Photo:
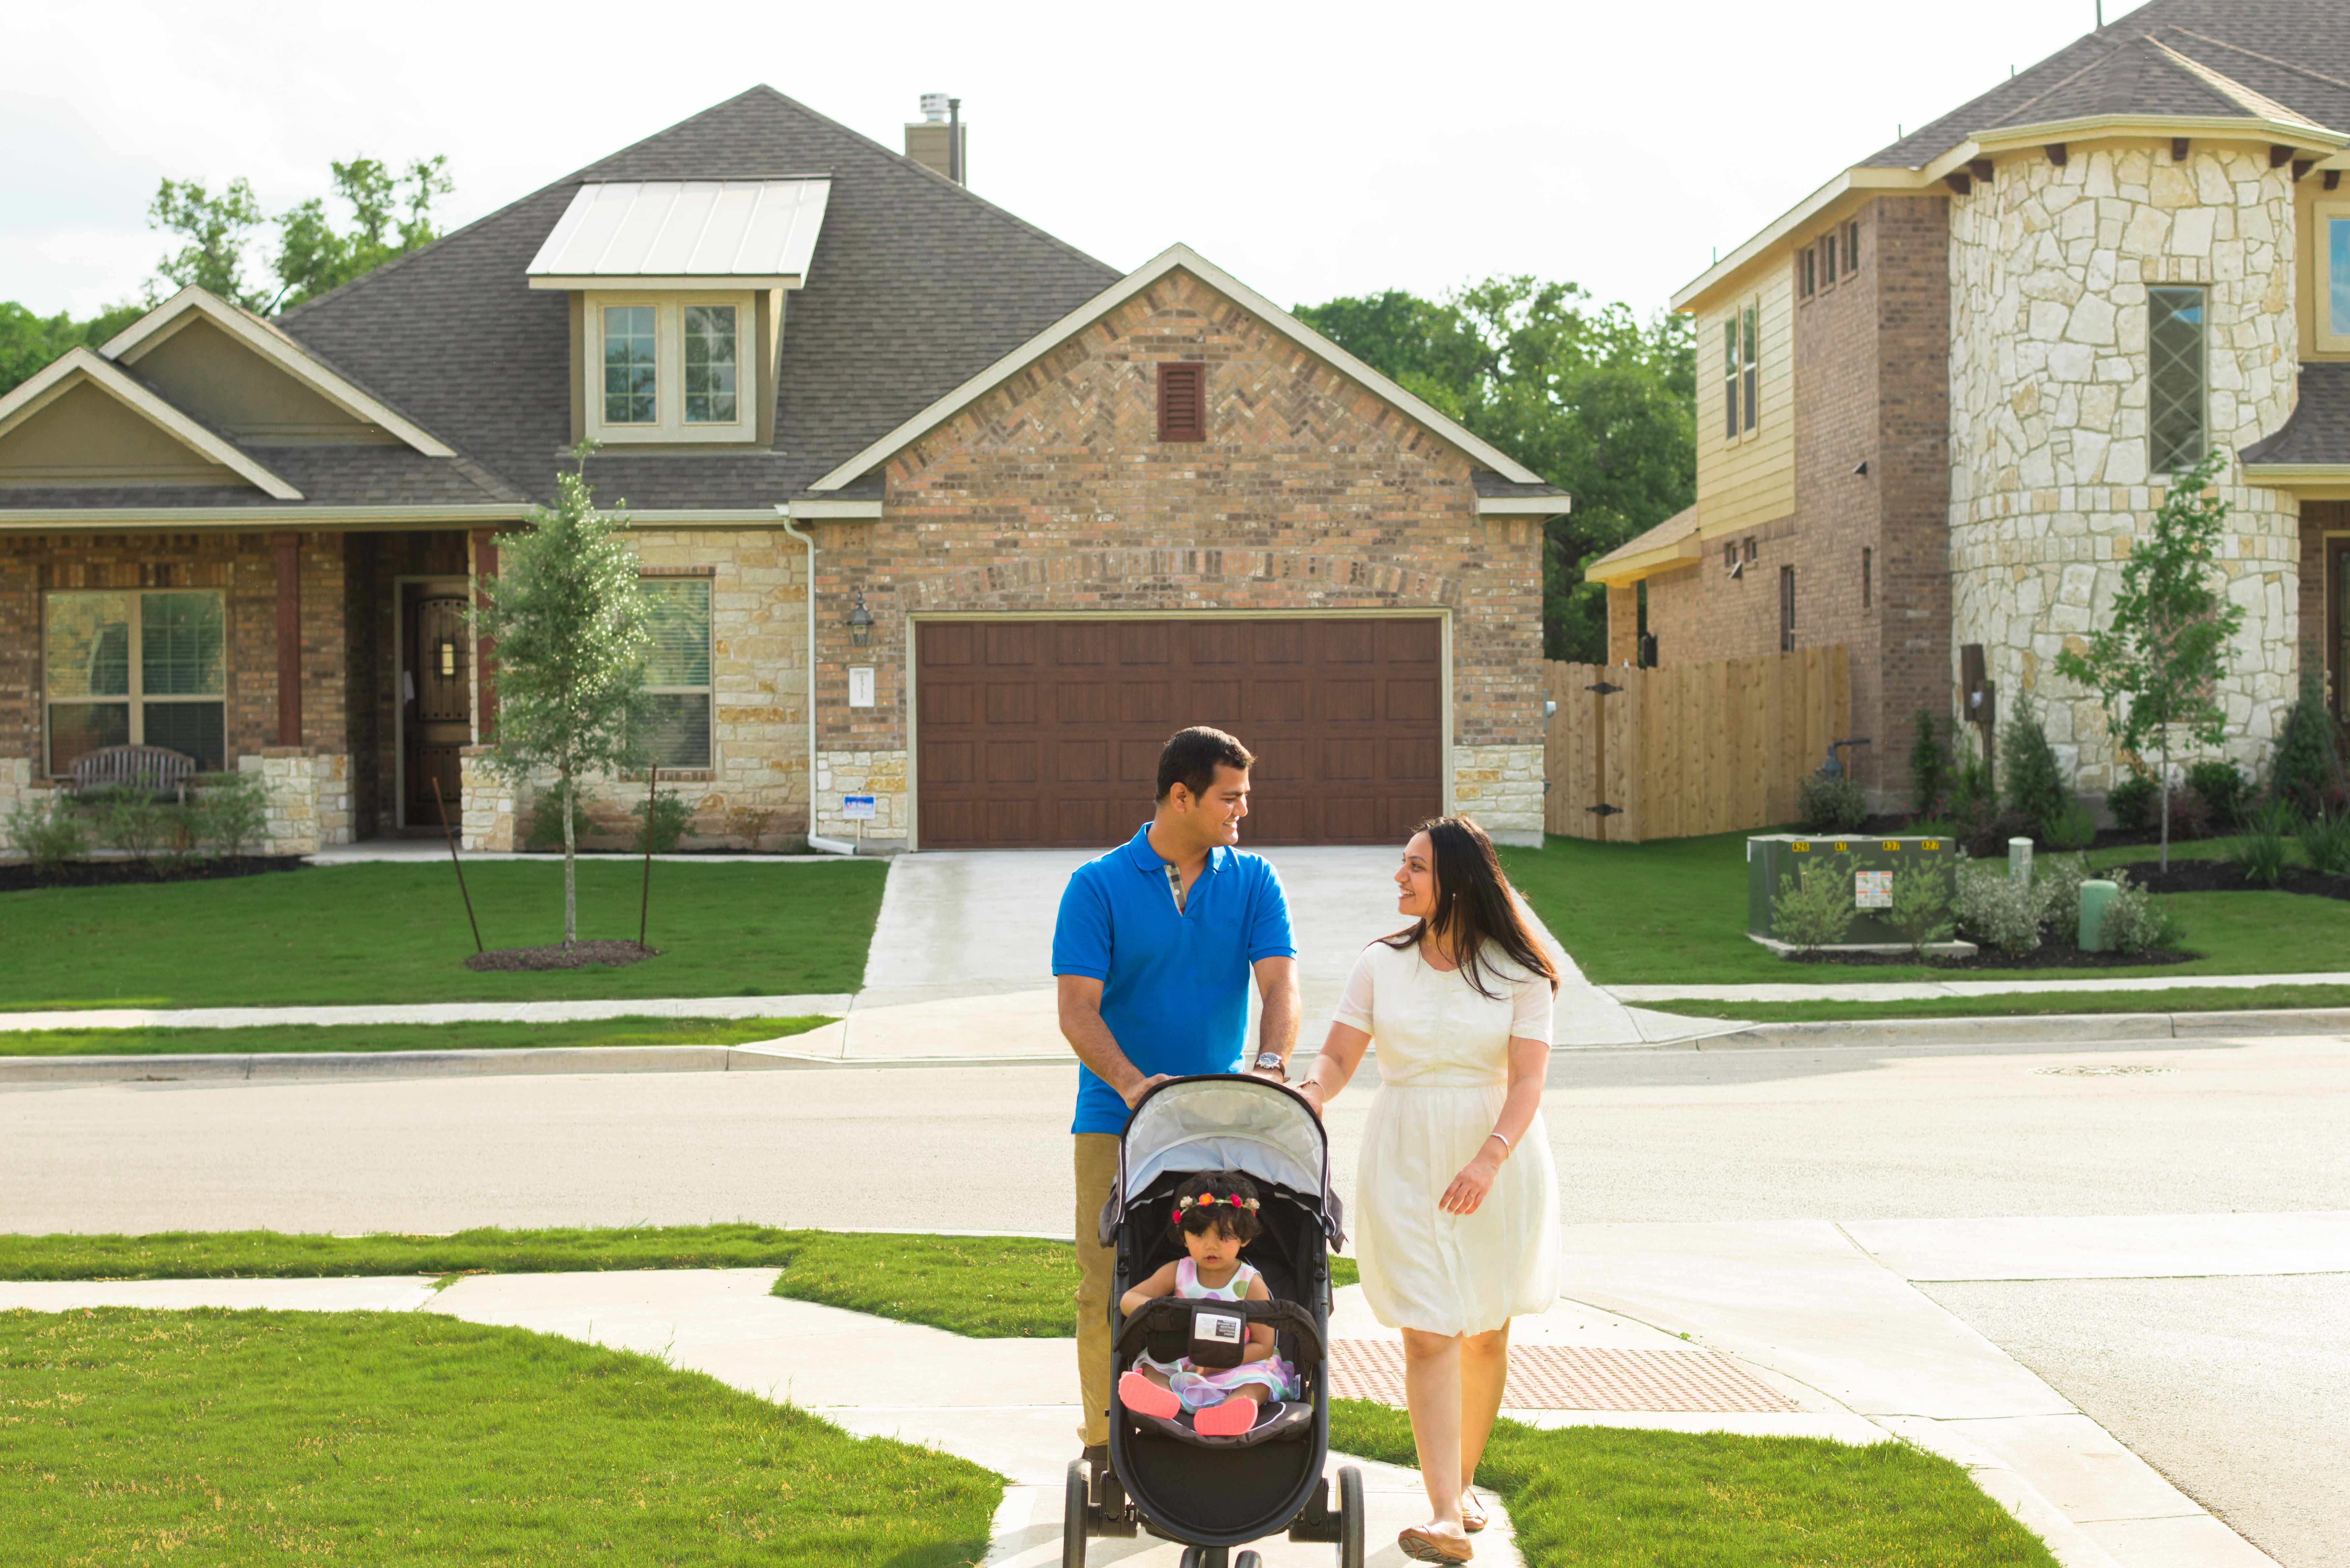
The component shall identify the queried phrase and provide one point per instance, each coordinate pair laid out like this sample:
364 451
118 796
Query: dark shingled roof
2319 430
916 286
2294 52
325 475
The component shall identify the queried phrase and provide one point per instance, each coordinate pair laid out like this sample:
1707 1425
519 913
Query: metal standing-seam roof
718 229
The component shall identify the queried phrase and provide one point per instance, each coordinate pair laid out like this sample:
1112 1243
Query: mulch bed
2049 954
24 876
2227 876
579 955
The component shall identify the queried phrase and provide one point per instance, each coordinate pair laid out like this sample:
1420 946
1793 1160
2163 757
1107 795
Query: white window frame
136 697
670 424
1741 378
2323 217
709 688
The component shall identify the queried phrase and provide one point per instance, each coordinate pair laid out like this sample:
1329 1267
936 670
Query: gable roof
2213 59
79 365
131 344
2268 71
914 283
1174 257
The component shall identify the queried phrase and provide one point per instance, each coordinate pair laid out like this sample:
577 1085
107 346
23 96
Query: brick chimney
940 140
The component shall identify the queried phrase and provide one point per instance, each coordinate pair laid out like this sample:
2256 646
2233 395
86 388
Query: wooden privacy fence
1634 754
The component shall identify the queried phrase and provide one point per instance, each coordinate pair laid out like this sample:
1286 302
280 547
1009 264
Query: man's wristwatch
1270 1062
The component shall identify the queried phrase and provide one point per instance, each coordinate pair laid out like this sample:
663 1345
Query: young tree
572 624
2159 661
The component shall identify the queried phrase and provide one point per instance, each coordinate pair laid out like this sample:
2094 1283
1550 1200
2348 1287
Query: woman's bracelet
1506 1150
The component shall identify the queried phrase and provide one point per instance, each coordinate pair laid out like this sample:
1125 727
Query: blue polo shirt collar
1146 860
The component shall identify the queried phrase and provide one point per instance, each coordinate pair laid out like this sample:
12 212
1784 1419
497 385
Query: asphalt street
2230 1386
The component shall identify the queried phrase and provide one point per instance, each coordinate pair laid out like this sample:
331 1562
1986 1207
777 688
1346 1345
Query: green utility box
1772 855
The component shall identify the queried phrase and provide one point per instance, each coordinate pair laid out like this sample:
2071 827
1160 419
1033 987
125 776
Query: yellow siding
1749 480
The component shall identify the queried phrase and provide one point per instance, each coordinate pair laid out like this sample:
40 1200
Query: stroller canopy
1227 1123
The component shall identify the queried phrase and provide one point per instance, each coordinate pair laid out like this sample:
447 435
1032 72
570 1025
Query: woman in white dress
1455 1196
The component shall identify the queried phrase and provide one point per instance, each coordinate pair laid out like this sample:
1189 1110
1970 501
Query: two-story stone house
1940 396
950 523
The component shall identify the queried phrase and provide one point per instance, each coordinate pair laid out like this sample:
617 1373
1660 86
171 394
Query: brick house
1939 397
949 524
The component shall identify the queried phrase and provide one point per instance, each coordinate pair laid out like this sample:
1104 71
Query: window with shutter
1182 402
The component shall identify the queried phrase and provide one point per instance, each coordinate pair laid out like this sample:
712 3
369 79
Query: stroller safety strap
1172 1316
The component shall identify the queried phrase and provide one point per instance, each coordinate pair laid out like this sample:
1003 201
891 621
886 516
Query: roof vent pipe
954 139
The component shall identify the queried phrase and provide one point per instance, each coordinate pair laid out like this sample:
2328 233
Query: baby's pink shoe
1144 1397
1231 1418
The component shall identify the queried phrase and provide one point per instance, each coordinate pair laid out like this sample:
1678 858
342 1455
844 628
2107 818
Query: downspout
823 845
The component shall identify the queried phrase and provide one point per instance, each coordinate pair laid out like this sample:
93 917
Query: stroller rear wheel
1350 1517
1073 1516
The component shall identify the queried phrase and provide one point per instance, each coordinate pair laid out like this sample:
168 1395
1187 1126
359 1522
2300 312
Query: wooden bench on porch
155 768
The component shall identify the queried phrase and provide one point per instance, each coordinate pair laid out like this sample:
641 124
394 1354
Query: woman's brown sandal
1472 1513
1427 1546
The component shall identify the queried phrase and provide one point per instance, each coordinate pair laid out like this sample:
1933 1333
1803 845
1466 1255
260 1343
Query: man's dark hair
1191 757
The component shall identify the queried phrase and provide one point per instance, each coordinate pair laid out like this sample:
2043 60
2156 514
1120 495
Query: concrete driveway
962 963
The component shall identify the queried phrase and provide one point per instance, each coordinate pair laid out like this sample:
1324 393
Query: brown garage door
1046 733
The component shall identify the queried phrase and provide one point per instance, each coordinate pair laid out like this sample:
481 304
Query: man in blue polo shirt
1154 951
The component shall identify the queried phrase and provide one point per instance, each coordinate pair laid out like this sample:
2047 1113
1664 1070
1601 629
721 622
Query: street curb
316 1067
2049 1028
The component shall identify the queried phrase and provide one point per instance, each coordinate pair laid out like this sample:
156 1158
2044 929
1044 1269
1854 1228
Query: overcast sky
1311 150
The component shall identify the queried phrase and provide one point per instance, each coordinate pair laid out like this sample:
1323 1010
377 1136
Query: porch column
289 638
486 666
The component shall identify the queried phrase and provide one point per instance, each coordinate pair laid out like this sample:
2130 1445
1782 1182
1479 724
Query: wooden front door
1046 733
436 689
2338 637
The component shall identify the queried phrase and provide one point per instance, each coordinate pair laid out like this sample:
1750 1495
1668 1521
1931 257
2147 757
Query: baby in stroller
1216 1214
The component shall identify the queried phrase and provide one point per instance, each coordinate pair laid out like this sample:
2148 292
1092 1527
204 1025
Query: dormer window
669 368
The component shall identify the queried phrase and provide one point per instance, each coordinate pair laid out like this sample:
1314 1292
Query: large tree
28 342
1593 398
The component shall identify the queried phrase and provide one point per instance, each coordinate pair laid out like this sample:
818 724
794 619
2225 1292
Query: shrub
2261 849
1929 767
132 820
1997 909
546 815
2325 843
2190 816
2062 876
2132 803
47 832
2306 768
663 818
2035 785
1983 829
2074 827
1921 903
2224 789
750 825
1814 908
232 811
1971 787
1831 803
2138 921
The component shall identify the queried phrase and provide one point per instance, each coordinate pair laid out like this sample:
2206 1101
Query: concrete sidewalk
1936 989
1825 1316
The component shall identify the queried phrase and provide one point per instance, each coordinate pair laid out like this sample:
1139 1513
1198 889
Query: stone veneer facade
2049 271
1053 494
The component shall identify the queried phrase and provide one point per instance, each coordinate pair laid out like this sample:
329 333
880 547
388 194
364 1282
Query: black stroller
1216 1493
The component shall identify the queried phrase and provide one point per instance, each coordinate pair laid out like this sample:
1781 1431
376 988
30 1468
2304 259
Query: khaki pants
1096 1167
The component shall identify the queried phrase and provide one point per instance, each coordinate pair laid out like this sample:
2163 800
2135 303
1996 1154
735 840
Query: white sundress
1200 1387
1444 1054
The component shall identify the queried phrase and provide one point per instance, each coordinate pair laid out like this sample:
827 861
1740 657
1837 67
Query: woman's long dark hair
1473 906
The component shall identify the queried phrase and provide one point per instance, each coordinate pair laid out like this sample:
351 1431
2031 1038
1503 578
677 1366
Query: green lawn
1673 912
219 1437
1593 1495
279 1038
397 932
2023 1004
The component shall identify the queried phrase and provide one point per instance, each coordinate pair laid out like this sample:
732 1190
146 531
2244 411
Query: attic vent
1182 402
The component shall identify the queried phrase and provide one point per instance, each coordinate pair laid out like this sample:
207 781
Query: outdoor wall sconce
448 651
860 621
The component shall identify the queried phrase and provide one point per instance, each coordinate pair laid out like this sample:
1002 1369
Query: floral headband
1209 1200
